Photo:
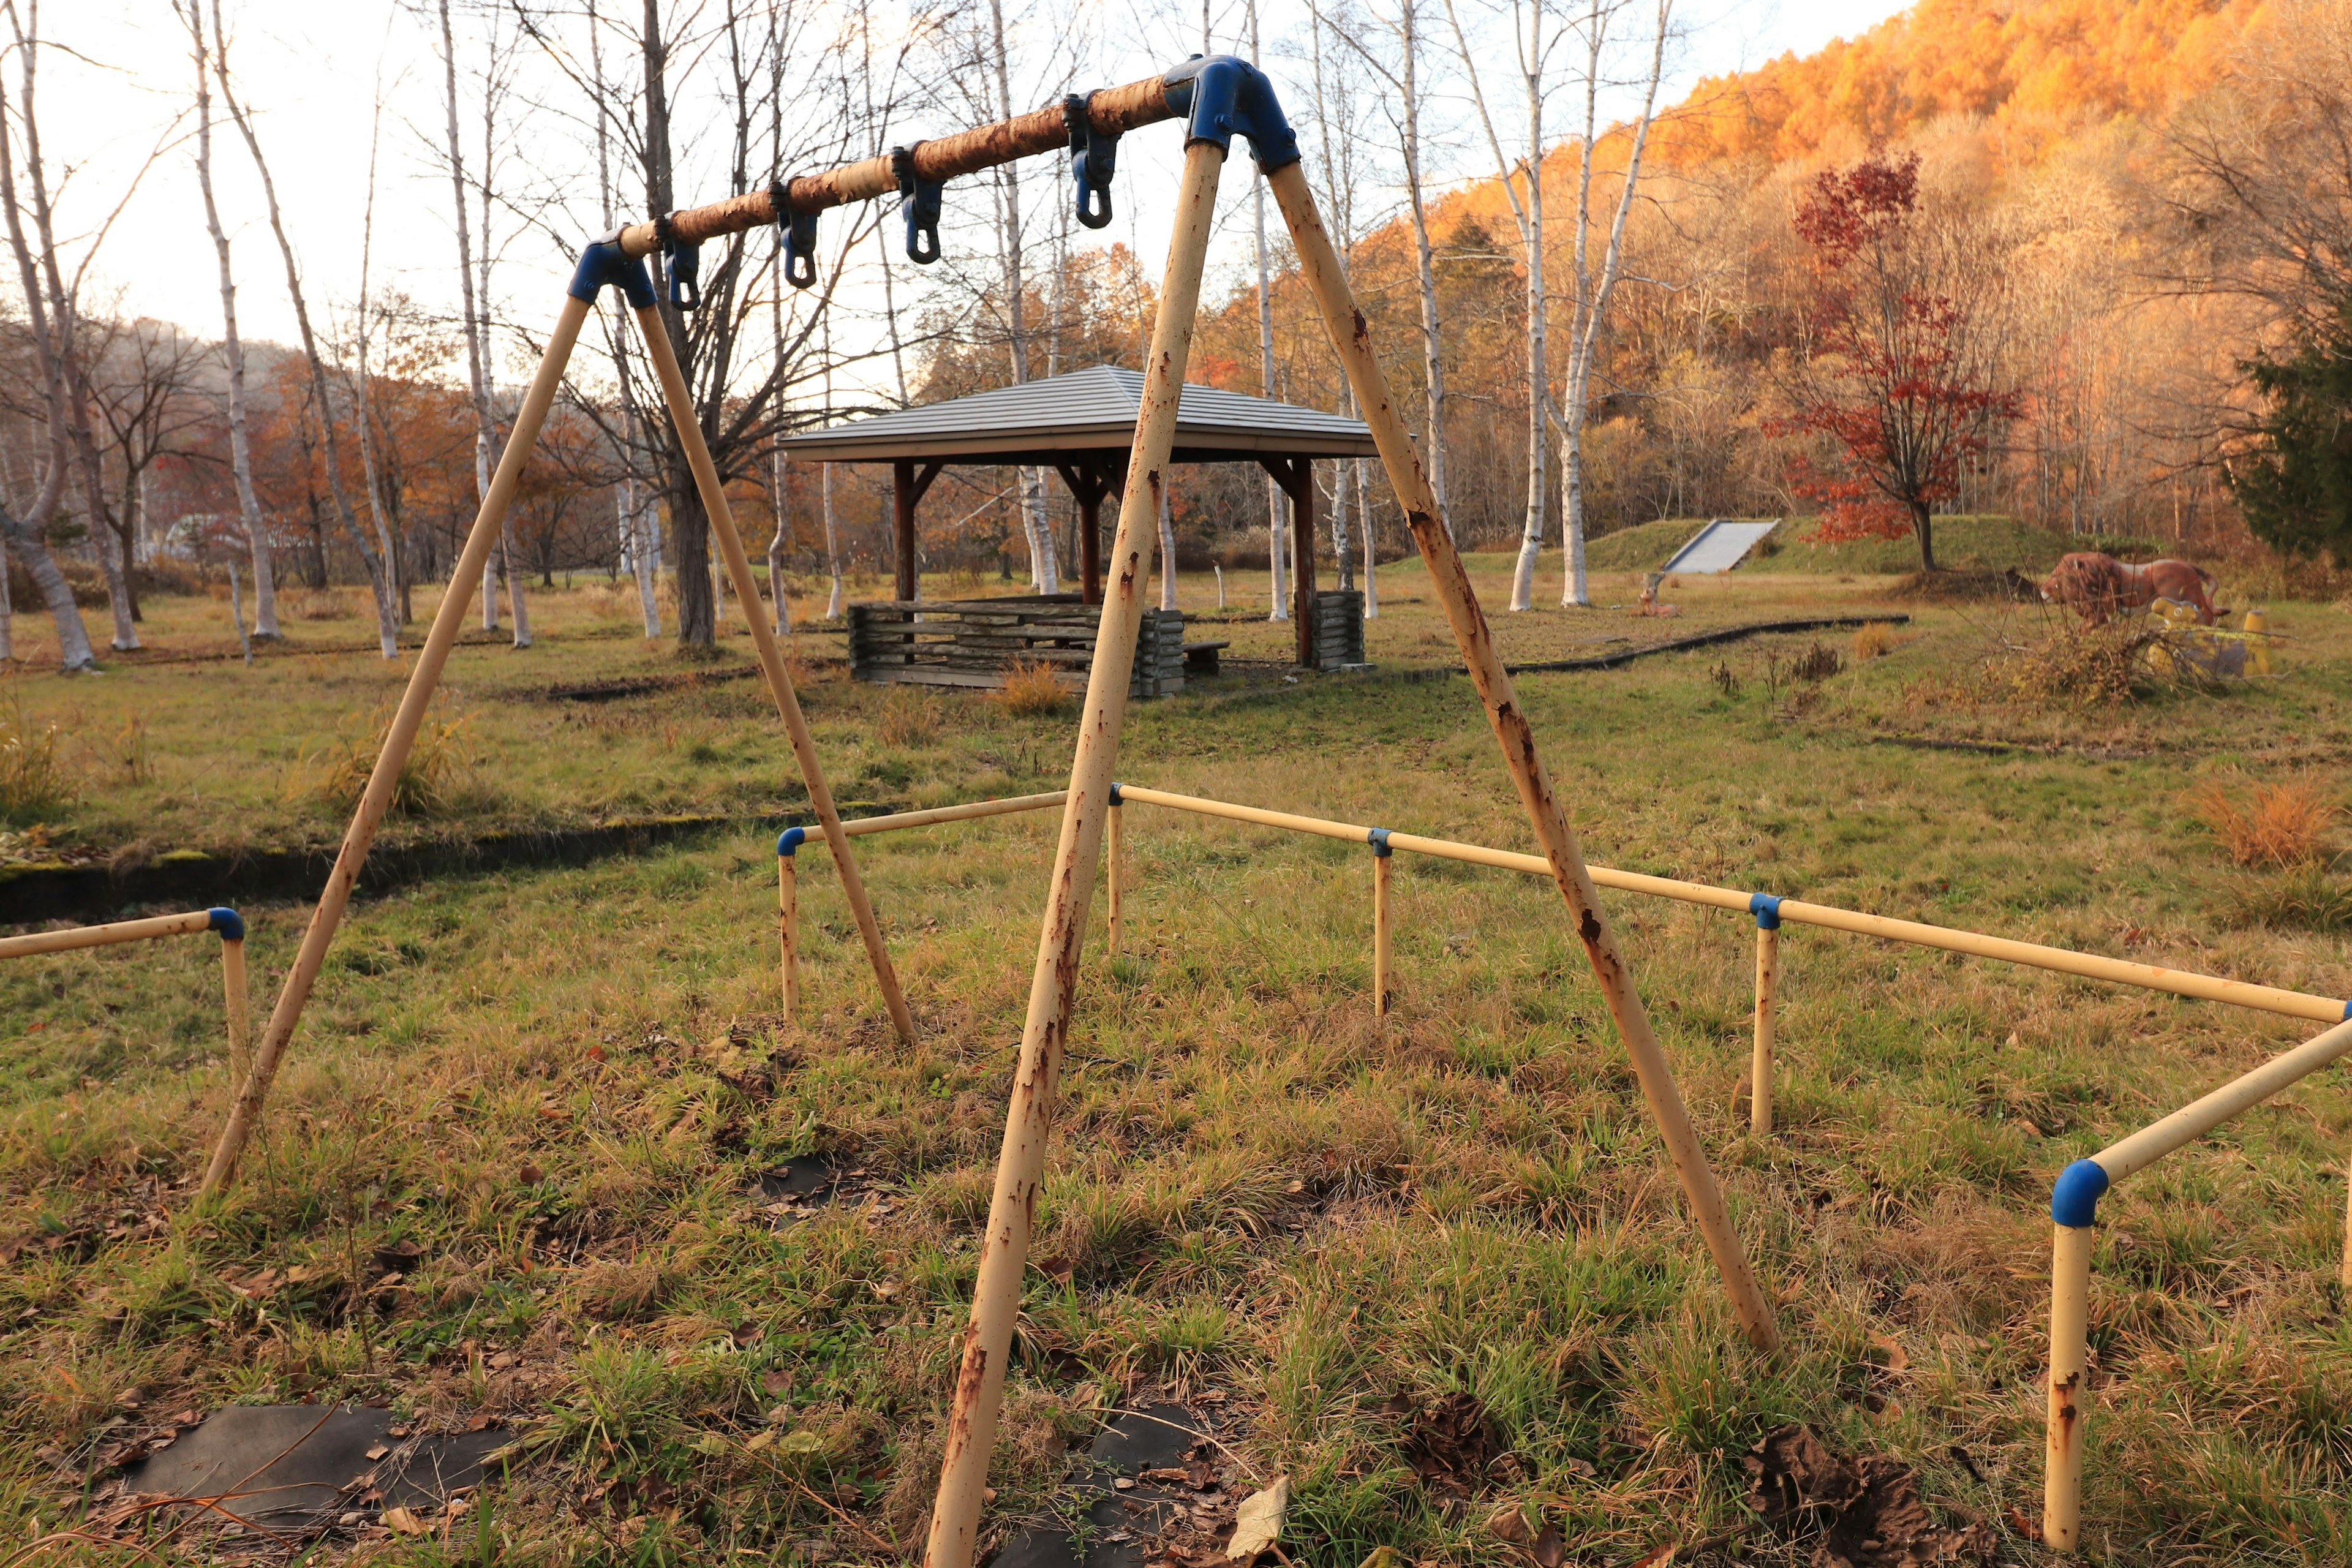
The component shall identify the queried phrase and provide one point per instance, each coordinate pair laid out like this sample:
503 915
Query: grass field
560 1083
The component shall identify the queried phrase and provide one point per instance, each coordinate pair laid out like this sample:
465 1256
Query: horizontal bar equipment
2074 1215
2147 977
223 920
935 814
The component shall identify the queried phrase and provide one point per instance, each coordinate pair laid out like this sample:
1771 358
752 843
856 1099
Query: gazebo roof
1085 415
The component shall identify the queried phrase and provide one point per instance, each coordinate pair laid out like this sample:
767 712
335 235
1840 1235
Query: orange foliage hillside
2035 69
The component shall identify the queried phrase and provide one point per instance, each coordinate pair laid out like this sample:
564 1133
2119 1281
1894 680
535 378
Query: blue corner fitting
789 841
1221 96
2074 1198
2348 1012
604 263
1378 837
229 922
1114 793
1766 911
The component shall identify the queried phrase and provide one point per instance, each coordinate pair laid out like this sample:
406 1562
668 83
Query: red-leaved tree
1899 376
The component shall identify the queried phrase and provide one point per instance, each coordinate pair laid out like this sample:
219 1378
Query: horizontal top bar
2122 971
1111 112
2193 1121
104 935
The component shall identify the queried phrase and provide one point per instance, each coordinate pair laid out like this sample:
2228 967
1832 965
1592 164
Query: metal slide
1719 546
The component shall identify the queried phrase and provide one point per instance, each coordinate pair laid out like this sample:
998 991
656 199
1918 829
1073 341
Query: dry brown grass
2283 824
910 716
1876 640
318 604
438 763
1030 690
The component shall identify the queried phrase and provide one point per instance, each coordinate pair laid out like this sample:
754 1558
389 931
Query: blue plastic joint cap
1220 96
789 841
2348 1012
1115 800
1378 839
229 922
604 263
1766 911
2074 1198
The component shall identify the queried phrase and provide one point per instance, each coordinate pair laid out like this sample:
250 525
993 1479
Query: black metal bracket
682 264
920 199
797 230
1094 156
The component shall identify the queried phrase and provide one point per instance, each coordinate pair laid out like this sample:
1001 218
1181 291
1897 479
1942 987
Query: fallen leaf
1550 1549
399 1256
1891 1349
1660 1558
2026 1529
760 1440
1507 1524
530 1175
746 1336
1257 1523
404 1523
477 1424
377 1451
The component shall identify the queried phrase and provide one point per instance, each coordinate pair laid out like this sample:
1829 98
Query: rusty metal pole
1320 267
788 924
771 658
376 799
1005 1249
1760 1067
2070 1322
1382 860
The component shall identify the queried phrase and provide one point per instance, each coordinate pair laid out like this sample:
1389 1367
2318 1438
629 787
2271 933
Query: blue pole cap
229 922
604 262
1766 911
789 841
1115 800
2075 1197
1378 837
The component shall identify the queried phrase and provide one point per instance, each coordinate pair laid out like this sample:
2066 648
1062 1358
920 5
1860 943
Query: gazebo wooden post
906 490
902 519
1296 478
1089 483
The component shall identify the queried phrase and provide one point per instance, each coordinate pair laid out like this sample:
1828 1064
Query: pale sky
311 72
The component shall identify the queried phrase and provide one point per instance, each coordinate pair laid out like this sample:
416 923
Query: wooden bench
1201 657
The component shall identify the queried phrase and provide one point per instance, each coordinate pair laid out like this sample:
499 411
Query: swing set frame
1217 98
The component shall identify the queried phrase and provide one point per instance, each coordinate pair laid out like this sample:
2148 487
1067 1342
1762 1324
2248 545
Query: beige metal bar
2070 1316
377 797
1760 1067
771 658
2121 972
788 933
2069 1270
239 1003
1004 1246
1319 265
1113 848
939 814
2193 1121
80 937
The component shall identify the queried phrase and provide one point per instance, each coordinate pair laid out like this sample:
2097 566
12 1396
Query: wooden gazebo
1081 425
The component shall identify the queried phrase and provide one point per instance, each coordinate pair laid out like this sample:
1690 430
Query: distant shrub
2280 825
32 776
1818 662
438 763
1030 690
1876 640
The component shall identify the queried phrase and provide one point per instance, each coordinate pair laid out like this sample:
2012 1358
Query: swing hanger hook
797 230
1094 156
681 264
920 200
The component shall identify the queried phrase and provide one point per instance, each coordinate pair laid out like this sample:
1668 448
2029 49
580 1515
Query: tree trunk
73 641
1925 527
1372 545
689 526
1572 506
240 442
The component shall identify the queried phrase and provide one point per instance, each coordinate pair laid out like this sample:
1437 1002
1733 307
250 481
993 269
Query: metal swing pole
1320 264
772 657
377 798
1004 1247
